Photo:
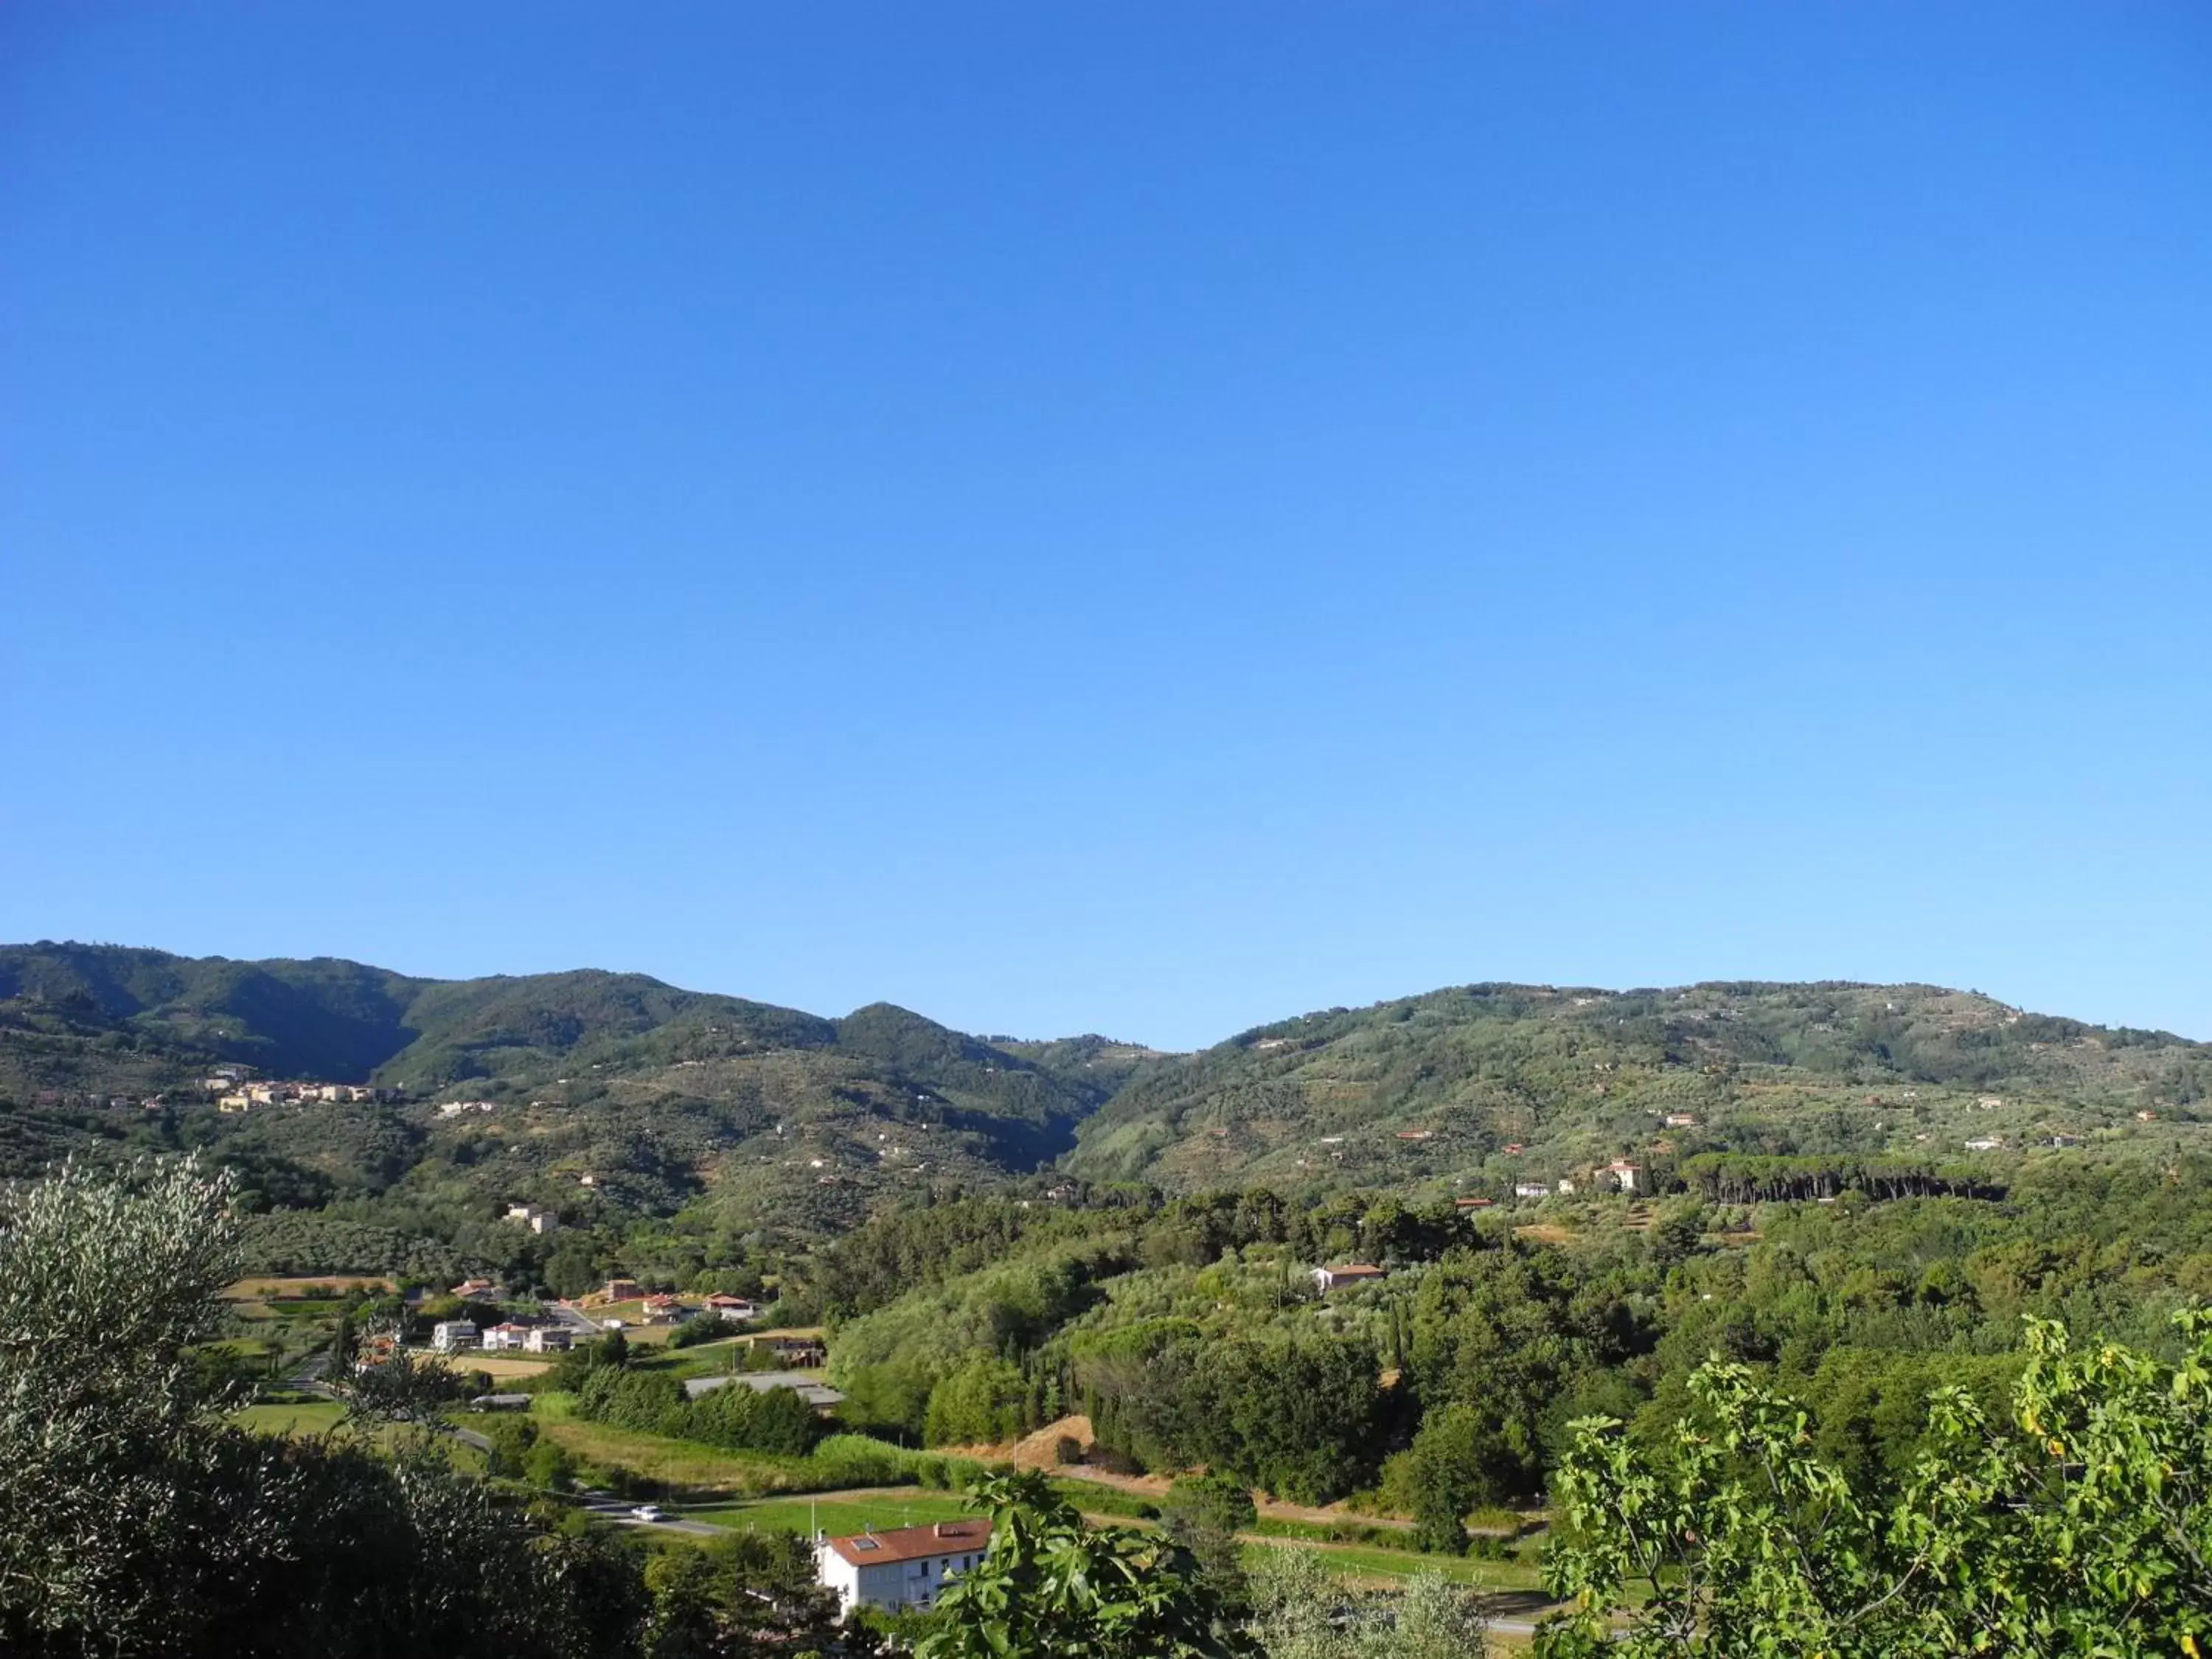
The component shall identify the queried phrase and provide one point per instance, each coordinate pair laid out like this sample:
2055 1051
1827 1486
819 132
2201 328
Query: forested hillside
1480 1087
603 1096
664 1127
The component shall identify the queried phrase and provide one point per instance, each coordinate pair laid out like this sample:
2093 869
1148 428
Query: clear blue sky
1141 518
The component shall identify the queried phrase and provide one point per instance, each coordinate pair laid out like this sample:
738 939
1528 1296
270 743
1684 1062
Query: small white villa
906 1567
1327 1279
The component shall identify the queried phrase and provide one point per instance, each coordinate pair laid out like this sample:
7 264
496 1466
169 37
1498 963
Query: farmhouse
730 1307
1622 1175
452 1335
1327 1279
1531 1189
905 1567
470 1289
1471 1203
548 1339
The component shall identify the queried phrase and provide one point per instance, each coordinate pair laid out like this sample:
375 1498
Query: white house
1327 1279
1624 1176
452 1335
906 1567
508 1335
530 1216
548 1339
1531 1189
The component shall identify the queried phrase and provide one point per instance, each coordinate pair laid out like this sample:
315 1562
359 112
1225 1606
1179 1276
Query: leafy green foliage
986 1399
1301 1415
1052 1587
2084 1527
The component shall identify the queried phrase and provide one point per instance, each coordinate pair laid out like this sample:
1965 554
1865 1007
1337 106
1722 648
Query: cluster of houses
232 1094
660 1308
457 1336
522 1335
227 1088
1621 1175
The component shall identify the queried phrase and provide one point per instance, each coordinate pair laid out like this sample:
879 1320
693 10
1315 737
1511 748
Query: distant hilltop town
229 1090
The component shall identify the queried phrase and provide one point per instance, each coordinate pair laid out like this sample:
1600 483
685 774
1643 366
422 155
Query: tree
1303 1611
1203 1514
403 1388
1453 1467
138 1522
2084 1527
1051 1588
980 1403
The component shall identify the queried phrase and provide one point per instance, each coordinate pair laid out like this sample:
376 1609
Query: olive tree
138 1522
1300 1610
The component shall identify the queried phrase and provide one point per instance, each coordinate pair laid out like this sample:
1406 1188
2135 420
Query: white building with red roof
905 1567
1327 1279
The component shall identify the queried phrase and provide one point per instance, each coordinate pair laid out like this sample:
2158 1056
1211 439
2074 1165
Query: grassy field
688 1471
635 1331
256 1289
308 1417
914 1506
498 1365
707 1471
1395 1566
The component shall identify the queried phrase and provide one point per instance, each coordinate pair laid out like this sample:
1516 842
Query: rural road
600 1507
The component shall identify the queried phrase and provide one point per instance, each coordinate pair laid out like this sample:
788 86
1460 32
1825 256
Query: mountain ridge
594 1092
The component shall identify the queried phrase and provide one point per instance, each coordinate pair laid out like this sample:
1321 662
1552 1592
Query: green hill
588 1092
611 1097
1436 1092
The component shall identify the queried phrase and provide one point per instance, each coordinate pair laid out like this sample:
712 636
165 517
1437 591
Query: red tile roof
913 1543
